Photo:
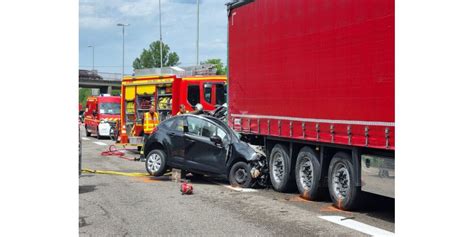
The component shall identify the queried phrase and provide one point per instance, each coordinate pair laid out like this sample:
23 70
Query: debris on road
186 188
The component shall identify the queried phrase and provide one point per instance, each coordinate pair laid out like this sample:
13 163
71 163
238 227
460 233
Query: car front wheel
156 162
97 133
240 175
88 134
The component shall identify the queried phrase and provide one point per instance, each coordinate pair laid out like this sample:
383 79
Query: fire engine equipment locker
130 93
146 90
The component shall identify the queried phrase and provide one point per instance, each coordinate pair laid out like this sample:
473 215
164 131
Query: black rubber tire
353 198
112 134
313 192
287 183
248 182
88 134
162 168
97 133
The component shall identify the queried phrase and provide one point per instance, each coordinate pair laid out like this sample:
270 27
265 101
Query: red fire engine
101 115
167 93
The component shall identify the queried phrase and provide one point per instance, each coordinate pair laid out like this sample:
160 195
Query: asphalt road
148 206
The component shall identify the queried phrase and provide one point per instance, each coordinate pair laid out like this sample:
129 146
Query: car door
201 153
175 141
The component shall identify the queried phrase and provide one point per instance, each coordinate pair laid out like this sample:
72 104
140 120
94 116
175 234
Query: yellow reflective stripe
149 123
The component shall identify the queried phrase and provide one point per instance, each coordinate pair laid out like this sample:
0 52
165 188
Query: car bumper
104 129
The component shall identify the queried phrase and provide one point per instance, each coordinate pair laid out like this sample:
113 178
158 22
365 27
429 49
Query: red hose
113 151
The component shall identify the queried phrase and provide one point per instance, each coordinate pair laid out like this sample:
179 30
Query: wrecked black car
203 144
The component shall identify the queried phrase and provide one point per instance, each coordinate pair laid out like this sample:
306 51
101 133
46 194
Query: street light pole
197 41
123 46
92 46
161 41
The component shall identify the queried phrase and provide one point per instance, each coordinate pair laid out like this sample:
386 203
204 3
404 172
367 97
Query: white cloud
86 9
91 22
138 8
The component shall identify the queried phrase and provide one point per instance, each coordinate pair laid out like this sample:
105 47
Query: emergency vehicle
166 93
101 115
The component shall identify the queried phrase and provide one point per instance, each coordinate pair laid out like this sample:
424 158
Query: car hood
247 151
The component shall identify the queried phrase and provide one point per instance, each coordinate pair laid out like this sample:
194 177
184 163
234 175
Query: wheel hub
306 173
341 181
278 167
154 162
240 175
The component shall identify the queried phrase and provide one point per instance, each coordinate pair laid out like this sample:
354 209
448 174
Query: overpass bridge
105 82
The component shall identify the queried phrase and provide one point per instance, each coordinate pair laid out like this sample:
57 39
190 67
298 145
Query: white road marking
100 143
355 225
238 189
85 138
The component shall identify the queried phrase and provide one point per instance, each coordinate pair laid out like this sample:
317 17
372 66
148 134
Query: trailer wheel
280 169
156 162
308 173
344 193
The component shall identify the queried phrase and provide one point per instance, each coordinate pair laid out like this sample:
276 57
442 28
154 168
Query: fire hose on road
114 172
113 151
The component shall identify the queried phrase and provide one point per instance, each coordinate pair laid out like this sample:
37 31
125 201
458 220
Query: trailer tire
280 169
155 162
342 175
239 175
308 174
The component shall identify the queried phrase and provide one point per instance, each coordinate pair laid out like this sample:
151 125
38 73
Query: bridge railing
96 75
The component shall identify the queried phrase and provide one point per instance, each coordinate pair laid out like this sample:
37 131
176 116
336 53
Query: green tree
116 92
219 65
150 57
83 94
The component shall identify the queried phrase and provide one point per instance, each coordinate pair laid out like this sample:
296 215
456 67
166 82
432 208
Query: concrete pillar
109 90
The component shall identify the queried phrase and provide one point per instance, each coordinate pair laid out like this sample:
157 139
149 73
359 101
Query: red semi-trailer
312 81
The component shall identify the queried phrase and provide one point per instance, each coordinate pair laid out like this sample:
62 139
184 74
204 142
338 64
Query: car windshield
109 108
229 129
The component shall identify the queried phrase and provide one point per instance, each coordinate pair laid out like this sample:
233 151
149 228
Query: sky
98 26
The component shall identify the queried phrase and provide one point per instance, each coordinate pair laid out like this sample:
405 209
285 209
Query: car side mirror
216 139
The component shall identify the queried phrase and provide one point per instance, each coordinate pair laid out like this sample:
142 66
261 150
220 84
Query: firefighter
150 121
182 110
198 110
